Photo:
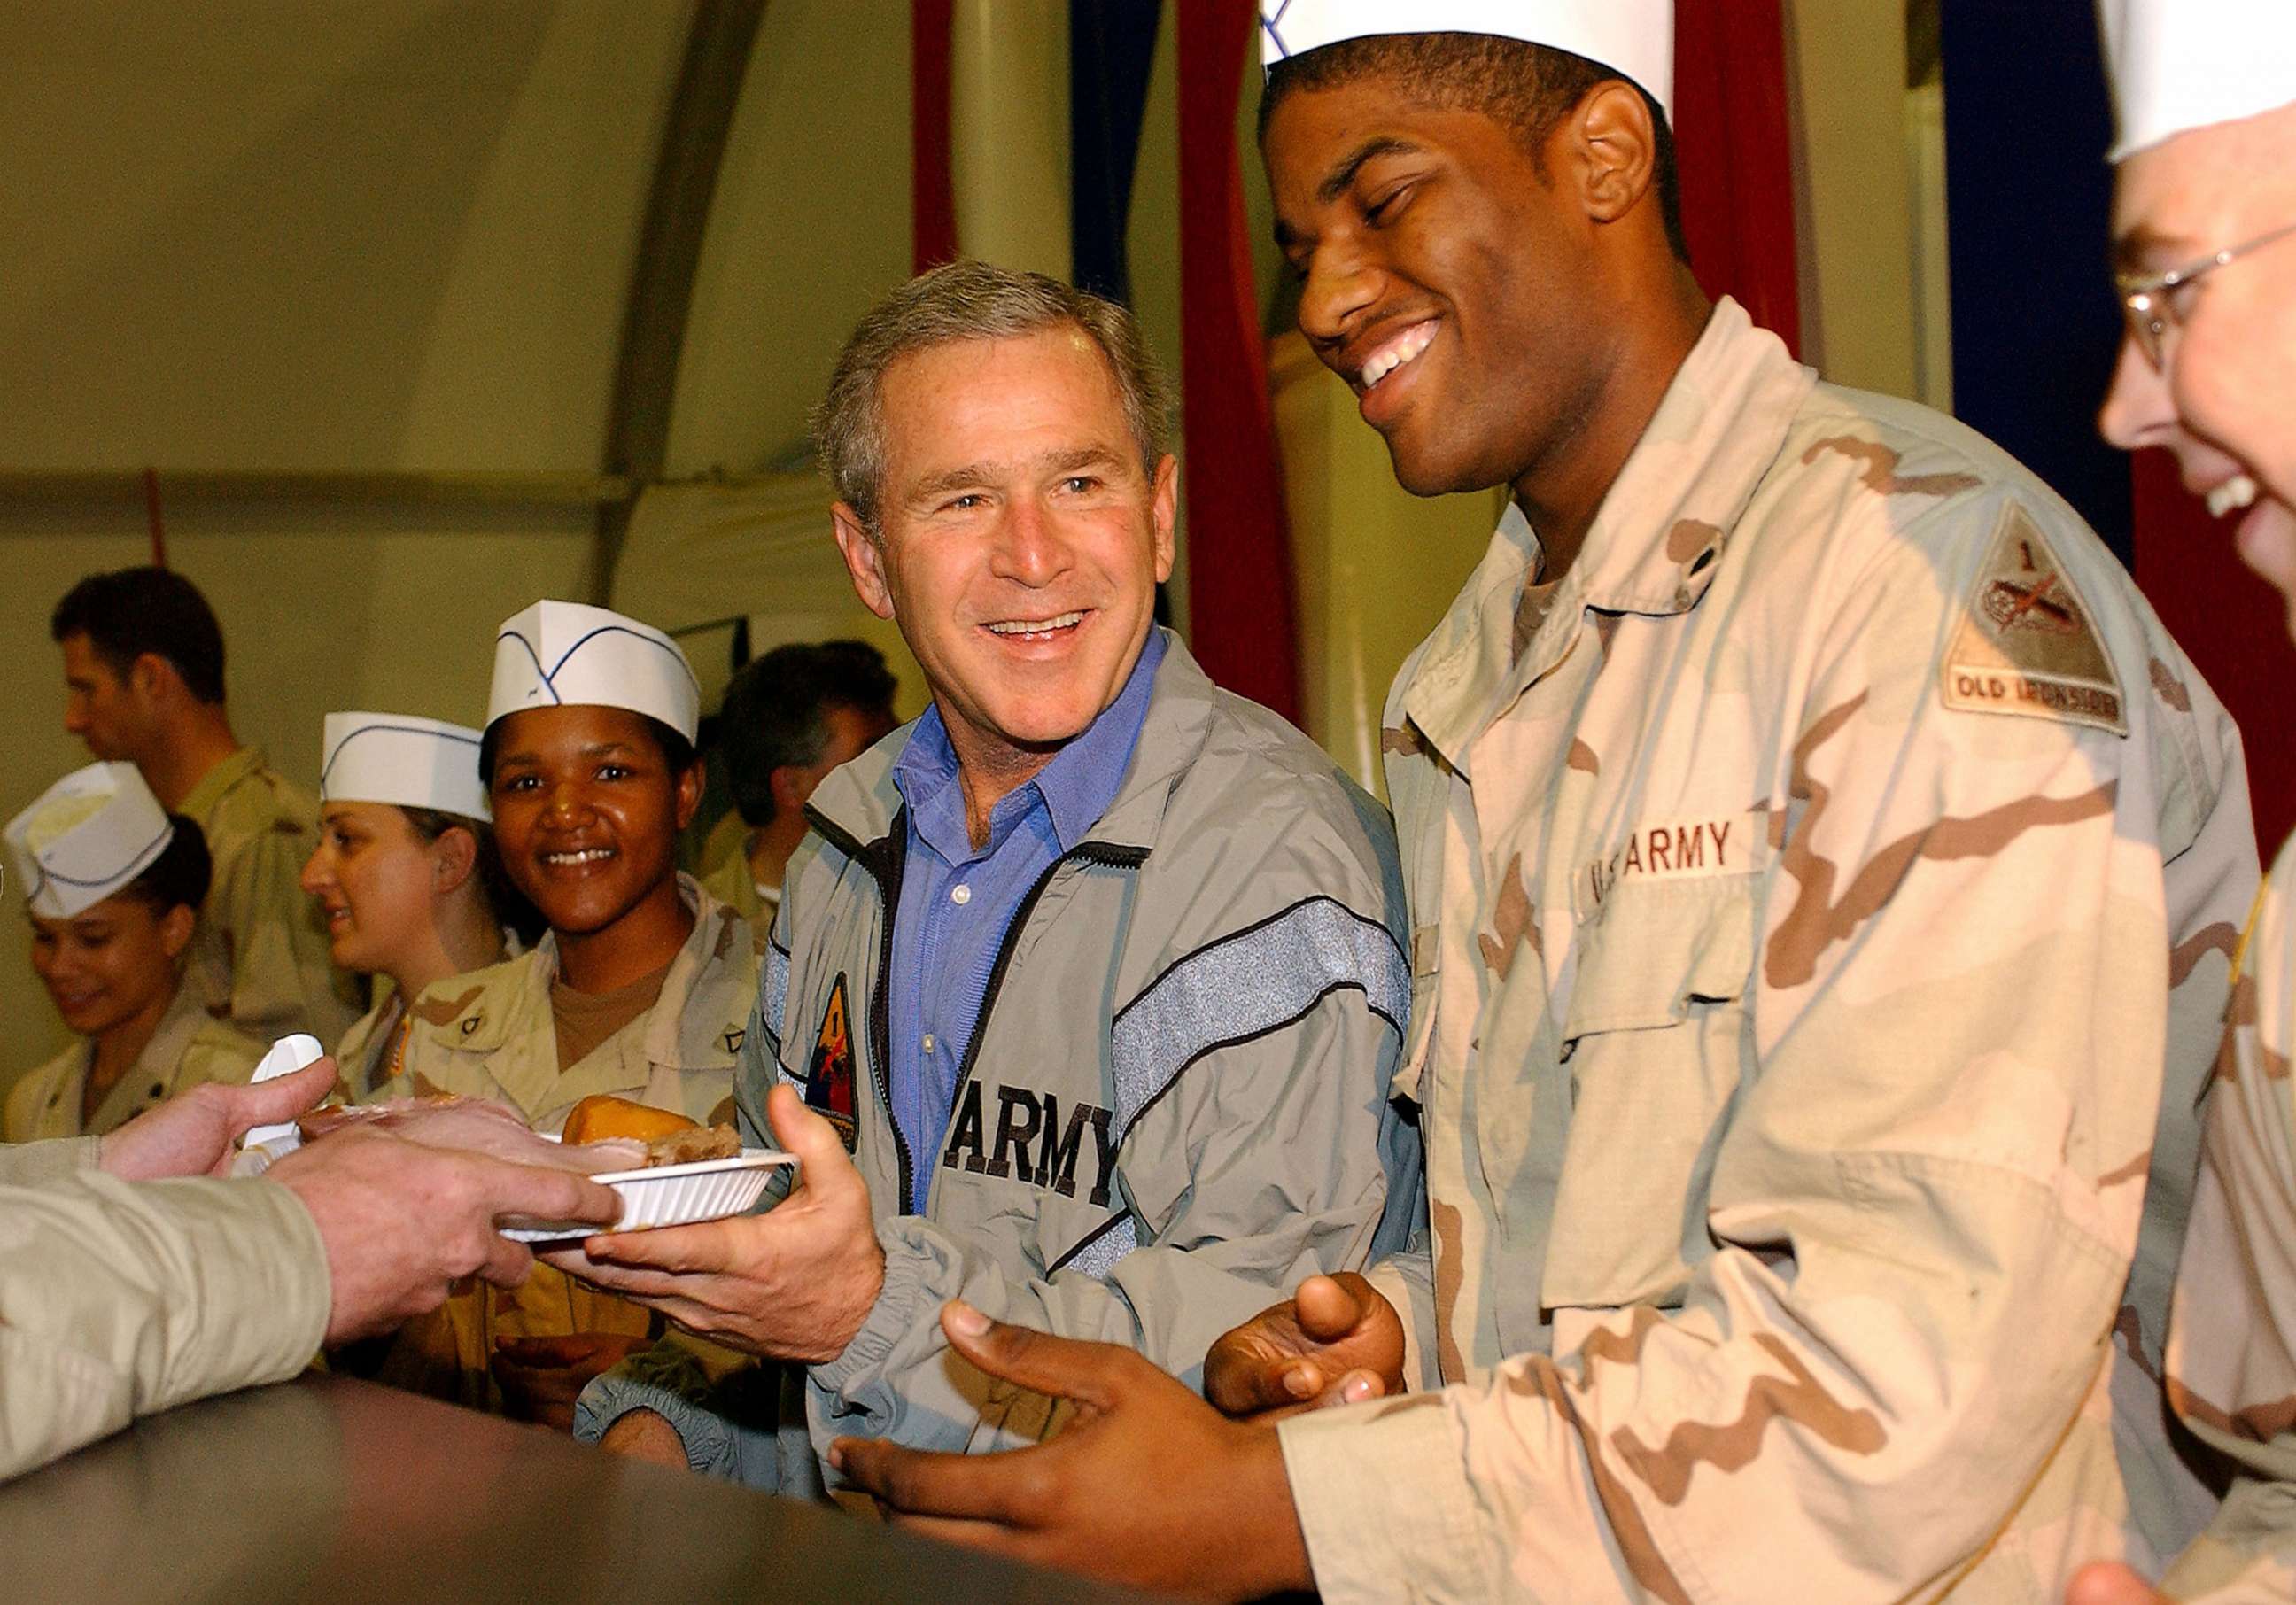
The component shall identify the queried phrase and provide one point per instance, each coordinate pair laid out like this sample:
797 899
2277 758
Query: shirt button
960 894
929 1042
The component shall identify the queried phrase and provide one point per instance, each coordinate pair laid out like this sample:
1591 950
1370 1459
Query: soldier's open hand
1335 1341
1221 1524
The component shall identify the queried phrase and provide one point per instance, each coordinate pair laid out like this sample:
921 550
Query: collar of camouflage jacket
704 1004
1655 544
860 801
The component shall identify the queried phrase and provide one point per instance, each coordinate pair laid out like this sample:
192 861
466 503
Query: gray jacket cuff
889 1319
708 1436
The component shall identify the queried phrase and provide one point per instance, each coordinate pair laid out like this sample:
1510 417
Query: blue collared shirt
958 900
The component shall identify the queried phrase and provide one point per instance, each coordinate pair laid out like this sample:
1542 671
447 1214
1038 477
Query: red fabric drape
2229 621
1241 604
932 193
1733 145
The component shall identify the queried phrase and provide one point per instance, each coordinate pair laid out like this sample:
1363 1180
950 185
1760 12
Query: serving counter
329 1489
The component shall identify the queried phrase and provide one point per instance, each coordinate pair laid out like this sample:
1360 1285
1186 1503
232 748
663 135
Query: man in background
143 683
789 718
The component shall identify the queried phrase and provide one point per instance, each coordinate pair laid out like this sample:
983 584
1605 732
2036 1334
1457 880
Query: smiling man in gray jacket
1094 969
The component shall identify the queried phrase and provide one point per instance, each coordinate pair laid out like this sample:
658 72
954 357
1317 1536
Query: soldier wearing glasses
2205 220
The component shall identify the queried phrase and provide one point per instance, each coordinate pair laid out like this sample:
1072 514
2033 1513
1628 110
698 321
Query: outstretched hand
1148 1485
195 1133
401 1222
1335 1341
541 1378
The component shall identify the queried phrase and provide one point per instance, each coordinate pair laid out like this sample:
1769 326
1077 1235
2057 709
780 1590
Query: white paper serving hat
560 652
393 758
1634 38
88 835
2182 64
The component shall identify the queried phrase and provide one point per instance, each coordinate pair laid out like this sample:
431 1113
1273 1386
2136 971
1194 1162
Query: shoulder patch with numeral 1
2026 645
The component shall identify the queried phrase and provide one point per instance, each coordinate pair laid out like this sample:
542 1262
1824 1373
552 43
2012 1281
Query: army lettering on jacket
2232 1338
261 958
187 1049
1173 1108
1808 890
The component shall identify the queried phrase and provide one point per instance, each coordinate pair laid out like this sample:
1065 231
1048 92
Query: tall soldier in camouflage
1096 968
2205 226
143 680
1817 853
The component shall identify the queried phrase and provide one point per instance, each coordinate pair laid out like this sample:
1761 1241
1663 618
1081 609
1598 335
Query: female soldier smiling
640 986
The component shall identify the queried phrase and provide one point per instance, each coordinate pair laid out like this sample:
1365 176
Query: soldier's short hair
777 713
968 301
128 612
1529 88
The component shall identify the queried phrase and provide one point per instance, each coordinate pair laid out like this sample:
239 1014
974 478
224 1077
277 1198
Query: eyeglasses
2149 302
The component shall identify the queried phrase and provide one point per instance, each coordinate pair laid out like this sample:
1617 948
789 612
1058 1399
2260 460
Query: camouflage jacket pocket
1653 1037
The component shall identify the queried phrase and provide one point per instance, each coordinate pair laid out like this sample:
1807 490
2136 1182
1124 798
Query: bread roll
599 1117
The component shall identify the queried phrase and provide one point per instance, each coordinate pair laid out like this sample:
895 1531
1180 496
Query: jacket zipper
1108 855
883 860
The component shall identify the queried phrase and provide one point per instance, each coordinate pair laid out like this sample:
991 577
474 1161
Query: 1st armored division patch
829 1074
2026 643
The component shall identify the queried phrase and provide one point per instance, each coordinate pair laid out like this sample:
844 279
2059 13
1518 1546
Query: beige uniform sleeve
1925 1204
2232 1343
119 1300
283 978
35 1164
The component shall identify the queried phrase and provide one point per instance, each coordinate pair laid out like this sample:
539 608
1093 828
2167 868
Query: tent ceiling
307 234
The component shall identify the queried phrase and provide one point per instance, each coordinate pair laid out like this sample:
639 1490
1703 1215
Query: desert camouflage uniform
185 1049
490 1034
2231 1339
1807 891
261 958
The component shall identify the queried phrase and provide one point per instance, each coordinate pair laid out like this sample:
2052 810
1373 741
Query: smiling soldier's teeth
1394 357
2237 492
1036 626
587 856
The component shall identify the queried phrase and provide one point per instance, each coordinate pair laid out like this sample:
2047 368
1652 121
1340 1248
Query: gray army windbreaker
1175 1105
